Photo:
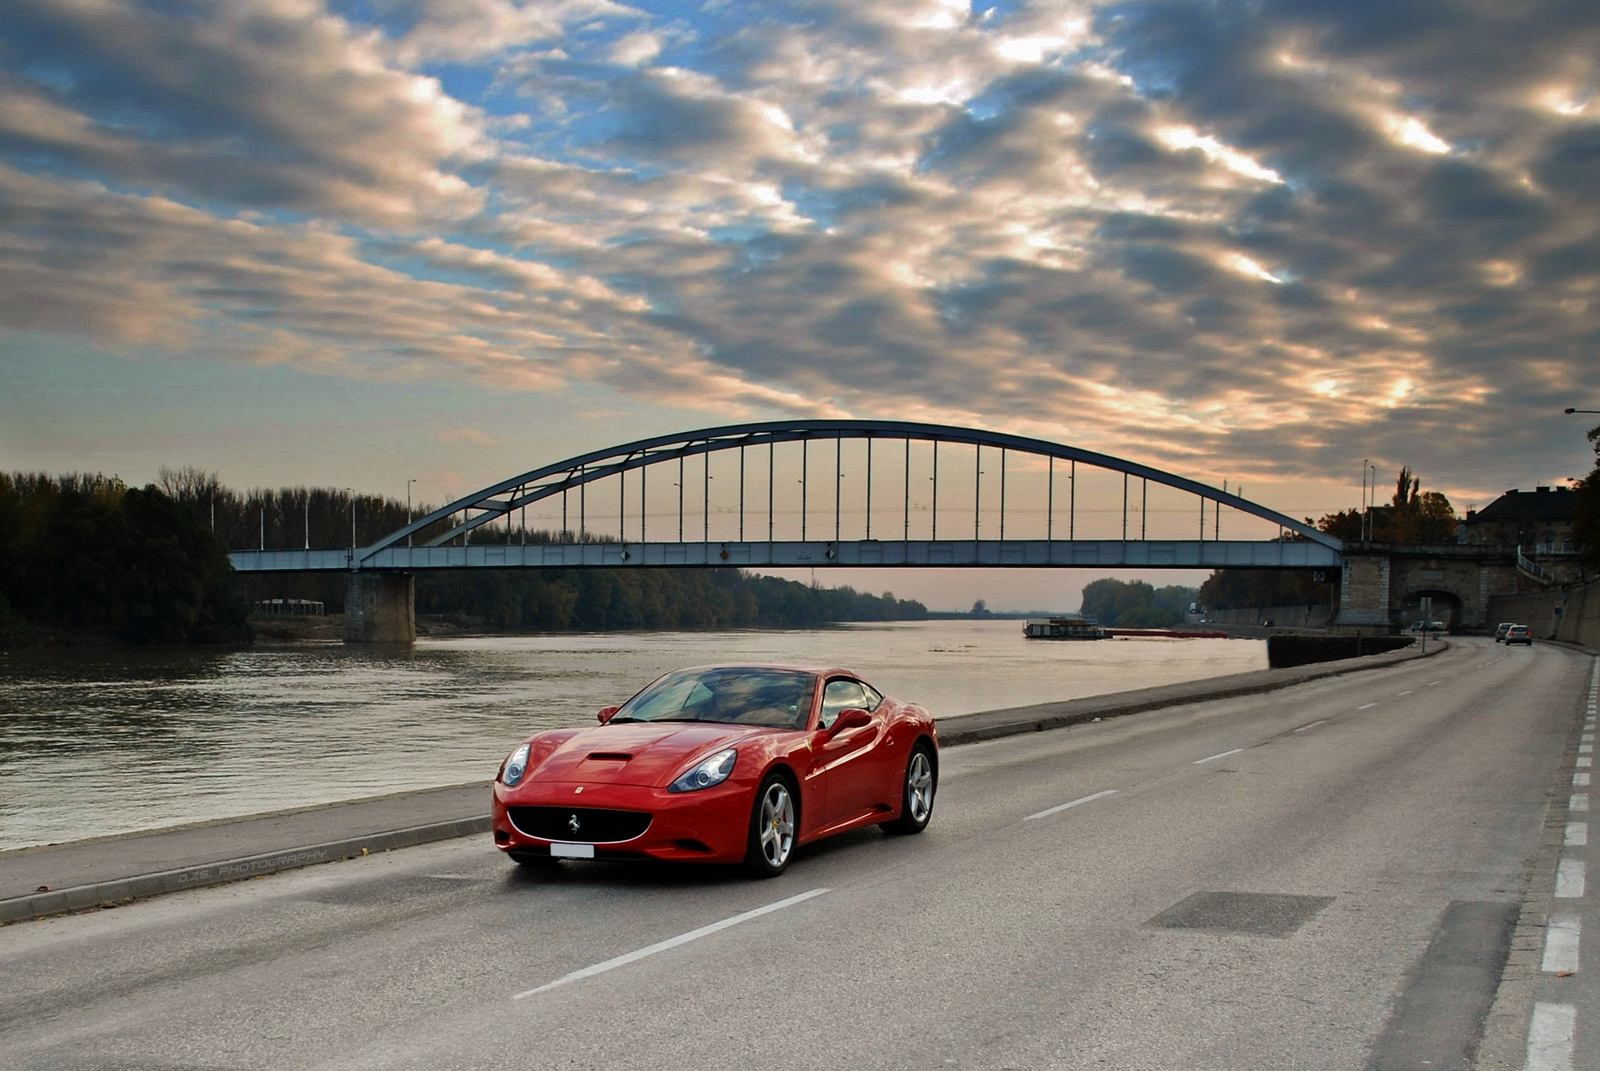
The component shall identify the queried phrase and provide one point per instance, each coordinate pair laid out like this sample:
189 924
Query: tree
1586 511
1136 604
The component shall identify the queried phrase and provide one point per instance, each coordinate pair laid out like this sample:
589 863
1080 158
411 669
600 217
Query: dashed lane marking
1578 802
1313 725
1220 755
1561 938
1580 780
1406 692
671 942
1570 879
1577 834
1365 706
1550 1037
1075 803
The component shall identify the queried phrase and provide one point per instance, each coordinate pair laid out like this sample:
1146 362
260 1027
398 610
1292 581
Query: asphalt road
1321 877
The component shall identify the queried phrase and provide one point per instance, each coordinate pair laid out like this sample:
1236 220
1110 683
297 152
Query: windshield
779 698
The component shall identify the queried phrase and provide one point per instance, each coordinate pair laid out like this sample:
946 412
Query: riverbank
105 872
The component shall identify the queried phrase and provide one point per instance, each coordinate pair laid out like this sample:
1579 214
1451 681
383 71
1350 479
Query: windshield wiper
618 721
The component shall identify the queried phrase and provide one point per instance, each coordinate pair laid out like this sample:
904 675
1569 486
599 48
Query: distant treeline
594 599
1120 604
87 559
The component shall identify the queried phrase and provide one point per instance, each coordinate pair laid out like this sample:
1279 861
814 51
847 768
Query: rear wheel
772 829
916 795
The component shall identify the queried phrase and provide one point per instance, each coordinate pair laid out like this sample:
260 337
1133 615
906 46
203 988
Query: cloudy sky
353 243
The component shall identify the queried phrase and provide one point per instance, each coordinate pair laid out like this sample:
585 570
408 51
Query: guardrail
1534 569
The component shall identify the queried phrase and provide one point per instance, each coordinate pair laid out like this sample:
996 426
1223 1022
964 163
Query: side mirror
607 713
850 718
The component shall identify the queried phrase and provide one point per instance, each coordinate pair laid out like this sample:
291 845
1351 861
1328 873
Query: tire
917 790
774 823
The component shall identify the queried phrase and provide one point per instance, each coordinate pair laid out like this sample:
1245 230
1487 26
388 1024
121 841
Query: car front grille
595 826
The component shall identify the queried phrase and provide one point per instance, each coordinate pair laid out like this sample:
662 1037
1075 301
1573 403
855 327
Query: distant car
1432 627
1519 634
1501 629
721 764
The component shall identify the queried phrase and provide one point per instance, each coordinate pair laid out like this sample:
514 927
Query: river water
109 741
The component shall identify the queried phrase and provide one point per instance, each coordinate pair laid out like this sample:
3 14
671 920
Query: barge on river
1064 628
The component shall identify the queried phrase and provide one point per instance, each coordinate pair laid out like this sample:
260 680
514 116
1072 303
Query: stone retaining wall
1578 619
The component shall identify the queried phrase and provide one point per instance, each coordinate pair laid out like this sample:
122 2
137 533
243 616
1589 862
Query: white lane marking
1313 725
1584 761
671 942
1075 803
1550 1037
1586 749
1364 706
1577 834
1221 755
1406 692
1586 738
1578 802
1432 683
1569 878
1580 780
1561 945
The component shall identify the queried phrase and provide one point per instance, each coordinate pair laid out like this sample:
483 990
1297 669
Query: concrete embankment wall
1286 651
1301 616
1578 619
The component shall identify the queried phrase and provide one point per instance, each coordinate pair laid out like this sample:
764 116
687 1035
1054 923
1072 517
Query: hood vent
610 756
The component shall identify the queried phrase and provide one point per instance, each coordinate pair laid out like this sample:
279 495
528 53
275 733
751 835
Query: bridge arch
471 512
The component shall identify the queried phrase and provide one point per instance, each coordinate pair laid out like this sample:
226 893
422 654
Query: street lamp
1569 412
352 493
408 507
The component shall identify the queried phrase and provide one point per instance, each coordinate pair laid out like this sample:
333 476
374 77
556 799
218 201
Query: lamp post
1569 412
351 491
408 506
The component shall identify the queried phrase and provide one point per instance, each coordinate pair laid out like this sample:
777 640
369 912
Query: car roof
818 670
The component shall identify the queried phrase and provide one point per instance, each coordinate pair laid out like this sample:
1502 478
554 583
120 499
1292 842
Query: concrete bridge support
380 608
1364 591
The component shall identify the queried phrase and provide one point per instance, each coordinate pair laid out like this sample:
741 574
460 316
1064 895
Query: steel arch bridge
969 530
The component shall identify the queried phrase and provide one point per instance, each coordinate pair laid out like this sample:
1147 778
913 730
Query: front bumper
708 826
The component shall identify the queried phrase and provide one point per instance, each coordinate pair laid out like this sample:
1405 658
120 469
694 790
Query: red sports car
721 764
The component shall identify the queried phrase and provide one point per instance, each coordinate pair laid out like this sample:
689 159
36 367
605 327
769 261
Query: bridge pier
380 608
1364 592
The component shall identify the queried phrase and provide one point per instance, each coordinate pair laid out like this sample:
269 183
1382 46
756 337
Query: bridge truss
896 518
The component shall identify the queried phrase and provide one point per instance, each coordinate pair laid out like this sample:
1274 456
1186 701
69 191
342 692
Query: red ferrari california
721 764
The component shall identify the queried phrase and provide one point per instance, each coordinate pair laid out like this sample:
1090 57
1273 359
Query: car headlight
712 771
515 767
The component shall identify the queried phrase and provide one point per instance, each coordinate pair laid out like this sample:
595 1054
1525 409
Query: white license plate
572 851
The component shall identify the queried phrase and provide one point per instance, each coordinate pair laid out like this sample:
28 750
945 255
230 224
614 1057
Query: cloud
262 103
1260 239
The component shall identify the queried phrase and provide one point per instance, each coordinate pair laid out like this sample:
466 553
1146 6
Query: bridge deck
1024 553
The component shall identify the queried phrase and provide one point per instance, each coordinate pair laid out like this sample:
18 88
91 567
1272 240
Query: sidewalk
82 875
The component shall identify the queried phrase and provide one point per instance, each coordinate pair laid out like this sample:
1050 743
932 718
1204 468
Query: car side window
841 694
871 696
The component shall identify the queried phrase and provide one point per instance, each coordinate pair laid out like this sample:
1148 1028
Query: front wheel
916 797
772 829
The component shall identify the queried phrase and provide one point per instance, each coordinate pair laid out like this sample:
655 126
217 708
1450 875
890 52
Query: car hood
643 754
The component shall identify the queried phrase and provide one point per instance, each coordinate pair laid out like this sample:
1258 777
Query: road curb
122 890
1079 711
119 891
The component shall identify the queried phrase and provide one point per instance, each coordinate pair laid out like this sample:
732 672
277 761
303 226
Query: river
106 741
